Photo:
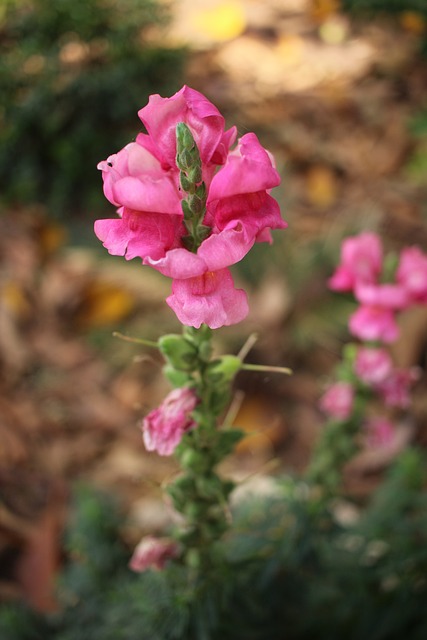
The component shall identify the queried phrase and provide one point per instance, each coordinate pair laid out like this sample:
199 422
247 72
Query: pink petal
179 263
138 234
257 210
161 115
248 169
148 194
226 248
209 299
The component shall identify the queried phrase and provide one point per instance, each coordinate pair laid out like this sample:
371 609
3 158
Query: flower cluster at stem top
189 205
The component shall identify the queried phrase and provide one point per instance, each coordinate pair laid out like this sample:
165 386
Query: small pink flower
379 432
375 318
163 428
372 365
337 401
152 553
361 262
412 274
374 323
395 389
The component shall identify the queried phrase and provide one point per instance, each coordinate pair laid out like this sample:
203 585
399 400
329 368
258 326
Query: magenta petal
148 194
257 210
138 234
113 234
161 115
209 299
226 248
247 170
179 263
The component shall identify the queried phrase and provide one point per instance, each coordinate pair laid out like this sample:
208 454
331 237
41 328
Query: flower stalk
199 493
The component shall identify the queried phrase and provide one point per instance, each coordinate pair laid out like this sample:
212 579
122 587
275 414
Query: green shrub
293 572
73 75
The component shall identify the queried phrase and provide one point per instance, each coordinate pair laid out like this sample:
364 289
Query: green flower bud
186 184
223 370
184 137
179 352
195 174
196 205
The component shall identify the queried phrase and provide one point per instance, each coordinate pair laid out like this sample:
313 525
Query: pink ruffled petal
226 248
257 210
248 169
161 115
138 234
209 299
179 263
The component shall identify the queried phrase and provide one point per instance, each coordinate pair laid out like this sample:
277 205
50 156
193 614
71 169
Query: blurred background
336 89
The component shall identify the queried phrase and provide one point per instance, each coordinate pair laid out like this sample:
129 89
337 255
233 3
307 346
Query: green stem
266 368
199 493
147 343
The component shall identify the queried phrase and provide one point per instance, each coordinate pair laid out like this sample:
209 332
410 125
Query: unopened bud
179 353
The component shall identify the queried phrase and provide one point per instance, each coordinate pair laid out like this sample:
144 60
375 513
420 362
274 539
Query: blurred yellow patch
104 304
261 424
413 22
221 22
321 186
12 296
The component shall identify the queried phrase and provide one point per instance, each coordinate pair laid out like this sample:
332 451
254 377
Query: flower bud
223 370
178 351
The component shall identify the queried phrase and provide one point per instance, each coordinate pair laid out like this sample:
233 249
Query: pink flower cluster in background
163 428
374 367
368 374
142 181
360 271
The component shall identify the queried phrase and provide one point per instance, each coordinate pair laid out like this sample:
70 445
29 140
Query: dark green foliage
290 571
367 8
73 75
385 6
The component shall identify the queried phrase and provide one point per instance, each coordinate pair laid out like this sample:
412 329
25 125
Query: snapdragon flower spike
189 206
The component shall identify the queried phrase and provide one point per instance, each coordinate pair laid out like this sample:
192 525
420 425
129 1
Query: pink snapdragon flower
361 262
395 389
412 274
152 553
379 432
375 319
164 427
142 180
372 365
337 401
